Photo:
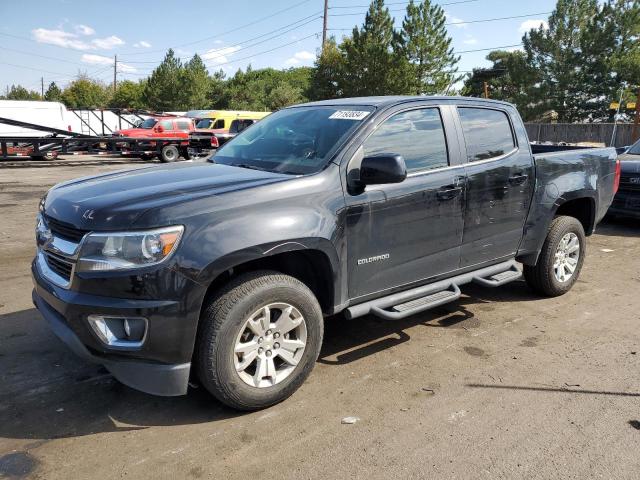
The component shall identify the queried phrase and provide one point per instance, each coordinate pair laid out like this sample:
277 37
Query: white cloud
84 30
470 40
456 21
92 59
220 55
530 24
142 44
65 39
107 43
300 57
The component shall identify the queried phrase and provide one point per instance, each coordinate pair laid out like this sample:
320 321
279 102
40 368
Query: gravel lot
502 384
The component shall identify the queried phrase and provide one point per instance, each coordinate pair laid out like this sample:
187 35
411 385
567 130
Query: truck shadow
46 392
346 341
619 227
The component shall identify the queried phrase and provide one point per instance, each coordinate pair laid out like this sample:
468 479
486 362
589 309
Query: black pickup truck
224 270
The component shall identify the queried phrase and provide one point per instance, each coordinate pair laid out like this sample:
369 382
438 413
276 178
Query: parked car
383 205
627 201
163 128
204 142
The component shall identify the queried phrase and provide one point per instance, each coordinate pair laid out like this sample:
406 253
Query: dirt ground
502 384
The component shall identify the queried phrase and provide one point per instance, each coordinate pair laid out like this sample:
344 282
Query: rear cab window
487 133
418 135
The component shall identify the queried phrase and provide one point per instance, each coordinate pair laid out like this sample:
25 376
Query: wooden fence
581 132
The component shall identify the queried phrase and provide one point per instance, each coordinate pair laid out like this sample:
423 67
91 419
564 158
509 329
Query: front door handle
518 179
449 192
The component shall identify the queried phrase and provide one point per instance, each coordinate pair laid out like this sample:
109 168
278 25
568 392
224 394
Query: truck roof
385 101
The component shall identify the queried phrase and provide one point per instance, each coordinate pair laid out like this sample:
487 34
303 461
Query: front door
500 179
404 233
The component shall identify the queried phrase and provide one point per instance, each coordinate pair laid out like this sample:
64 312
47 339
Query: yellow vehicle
221 119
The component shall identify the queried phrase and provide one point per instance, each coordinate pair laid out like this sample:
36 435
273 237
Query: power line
315 17
224 33
57 59
403 3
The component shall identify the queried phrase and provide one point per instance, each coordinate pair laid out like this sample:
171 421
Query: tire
224 323
169 154
185 154
543 277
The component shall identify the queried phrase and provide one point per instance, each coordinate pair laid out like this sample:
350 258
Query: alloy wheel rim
566 257
270 345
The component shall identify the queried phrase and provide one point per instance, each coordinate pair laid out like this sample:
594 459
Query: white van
47 114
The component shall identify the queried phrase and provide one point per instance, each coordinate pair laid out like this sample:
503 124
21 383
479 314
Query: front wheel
259 340
560 260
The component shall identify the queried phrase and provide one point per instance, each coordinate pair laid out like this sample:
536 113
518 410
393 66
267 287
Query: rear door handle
448 192
518 179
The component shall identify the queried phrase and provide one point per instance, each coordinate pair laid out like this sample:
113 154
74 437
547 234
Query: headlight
127 250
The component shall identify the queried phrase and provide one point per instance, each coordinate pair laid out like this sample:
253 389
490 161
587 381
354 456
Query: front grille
65 230
59 265
627 184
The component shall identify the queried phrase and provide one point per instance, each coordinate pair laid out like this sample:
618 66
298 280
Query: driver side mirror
159 129
383 168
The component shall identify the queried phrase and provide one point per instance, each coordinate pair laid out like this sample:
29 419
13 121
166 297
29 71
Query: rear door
500 178
408 232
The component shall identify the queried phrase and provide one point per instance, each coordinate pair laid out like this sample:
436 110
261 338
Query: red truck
162 128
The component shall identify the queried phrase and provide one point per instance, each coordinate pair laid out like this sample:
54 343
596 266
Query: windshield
148 123
205 123
635 148
299 140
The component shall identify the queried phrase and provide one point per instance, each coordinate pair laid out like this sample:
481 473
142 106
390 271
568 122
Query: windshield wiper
252 167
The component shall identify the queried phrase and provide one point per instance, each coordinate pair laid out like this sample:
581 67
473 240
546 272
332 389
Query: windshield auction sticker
349 115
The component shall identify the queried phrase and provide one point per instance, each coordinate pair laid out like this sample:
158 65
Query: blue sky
56 39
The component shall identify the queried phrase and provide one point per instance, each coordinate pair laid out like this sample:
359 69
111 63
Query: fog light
122 332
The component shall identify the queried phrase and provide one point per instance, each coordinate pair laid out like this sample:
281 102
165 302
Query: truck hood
134 132
115 200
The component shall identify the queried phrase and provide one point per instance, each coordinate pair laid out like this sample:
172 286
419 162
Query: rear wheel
259 340
169 154
560 260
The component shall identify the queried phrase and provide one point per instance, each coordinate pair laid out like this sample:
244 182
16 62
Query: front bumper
171 335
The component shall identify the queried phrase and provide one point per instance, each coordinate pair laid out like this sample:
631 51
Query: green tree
509 78
195 85
572 56
425 43
85 93
128 95
53 93
18 92
327 78
283 95
162 91
372 67
218 95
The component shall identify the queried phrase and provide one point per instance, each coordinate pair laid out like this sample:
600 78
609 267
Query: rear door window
184 125
417 135
487 133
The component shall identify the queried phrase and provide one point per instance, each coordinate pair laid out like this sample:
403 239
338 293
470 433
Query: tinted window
205 123
298 140
487 133
184 125
148 123
219 123
417 135
635 148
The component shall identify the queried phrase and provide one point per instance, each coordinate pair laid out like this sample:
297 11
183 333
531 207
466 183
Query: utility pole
486 89
115 70
324 23
42 87
636 120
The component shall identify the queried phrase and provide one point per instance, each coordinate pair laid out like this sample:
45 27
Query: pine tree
570 56
195 85
425 43
371 64
53 93
162 91
18 92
